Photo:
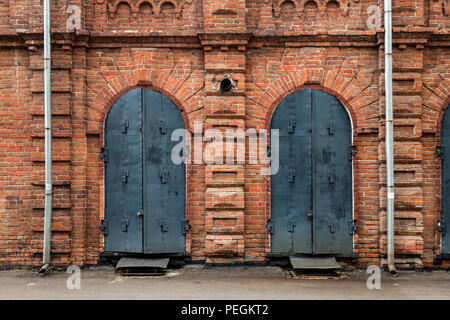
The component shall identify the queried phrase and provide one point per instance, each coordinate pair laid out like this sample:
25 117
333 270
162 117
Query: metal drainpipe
389 134
48 138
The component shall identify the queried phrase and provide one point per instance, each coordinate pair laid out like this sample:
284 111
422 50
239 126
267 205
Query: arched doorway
311 195
144 189
445 180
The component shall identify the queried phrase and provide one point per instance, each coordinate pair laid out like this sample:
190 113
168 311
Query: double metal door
311 195
144 189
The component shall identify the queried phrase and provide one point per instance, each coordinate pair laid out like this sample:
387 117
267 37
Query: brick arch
316 78
116 87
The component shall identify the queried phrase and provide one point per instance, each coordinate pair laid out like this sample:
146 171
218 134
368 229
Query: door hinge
125 125
440 151
291 126
291 225
104 227
352 227
163 225
124 225
162 127
125 175
269 226
352 151
104 155
442 227
185 226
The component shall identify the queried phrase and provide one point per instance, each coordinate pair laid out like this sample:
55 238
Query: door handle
140 213
309 213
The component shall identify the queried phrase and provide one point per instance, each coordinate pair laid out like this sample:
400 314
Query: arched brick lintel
150 87
344 101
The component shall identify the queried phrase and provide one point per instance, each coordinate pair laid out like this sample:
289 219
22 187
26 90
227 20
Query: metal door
164 182
445 158
144 189
311 195
123 174
291 198
332 175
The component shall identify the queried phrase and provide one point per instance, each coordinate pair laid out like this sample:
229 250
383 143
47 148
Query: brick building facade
182 48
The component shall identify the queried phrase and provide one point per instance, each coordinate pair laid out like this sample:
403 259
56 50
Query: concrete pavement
197 282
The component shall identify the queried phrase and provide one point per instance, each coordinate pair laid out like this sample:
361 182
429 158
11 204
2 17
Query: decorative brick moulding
136 4
344 5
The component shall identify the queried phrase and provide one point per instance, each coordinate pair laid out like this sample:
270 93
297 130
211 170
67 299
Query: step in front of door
319 263
134 266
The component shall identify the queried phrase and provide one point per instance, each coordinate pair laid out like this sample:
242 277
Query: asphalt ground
197 282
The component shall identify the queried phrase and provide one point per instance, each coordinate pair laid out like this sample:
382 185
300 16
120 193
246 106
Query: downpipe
389 135
48 139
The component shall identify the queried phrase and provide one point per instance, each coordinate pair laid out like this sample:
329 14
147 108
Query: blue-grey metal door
123 174
164 181
144 189
311 195
332 176
445 158
291 194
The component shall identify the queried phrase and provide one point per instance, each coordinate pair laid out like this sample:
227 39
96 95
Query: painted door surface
144 189
164 182
445 156
291 187
311 195
332 176
123 174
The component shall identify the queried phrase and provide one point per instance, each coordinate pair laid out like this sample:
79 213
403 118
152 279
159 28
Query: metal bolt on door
311 195
144 190
444 152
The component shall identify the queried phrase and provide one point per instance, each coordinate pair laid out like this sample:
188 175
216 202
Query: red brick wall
182 48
